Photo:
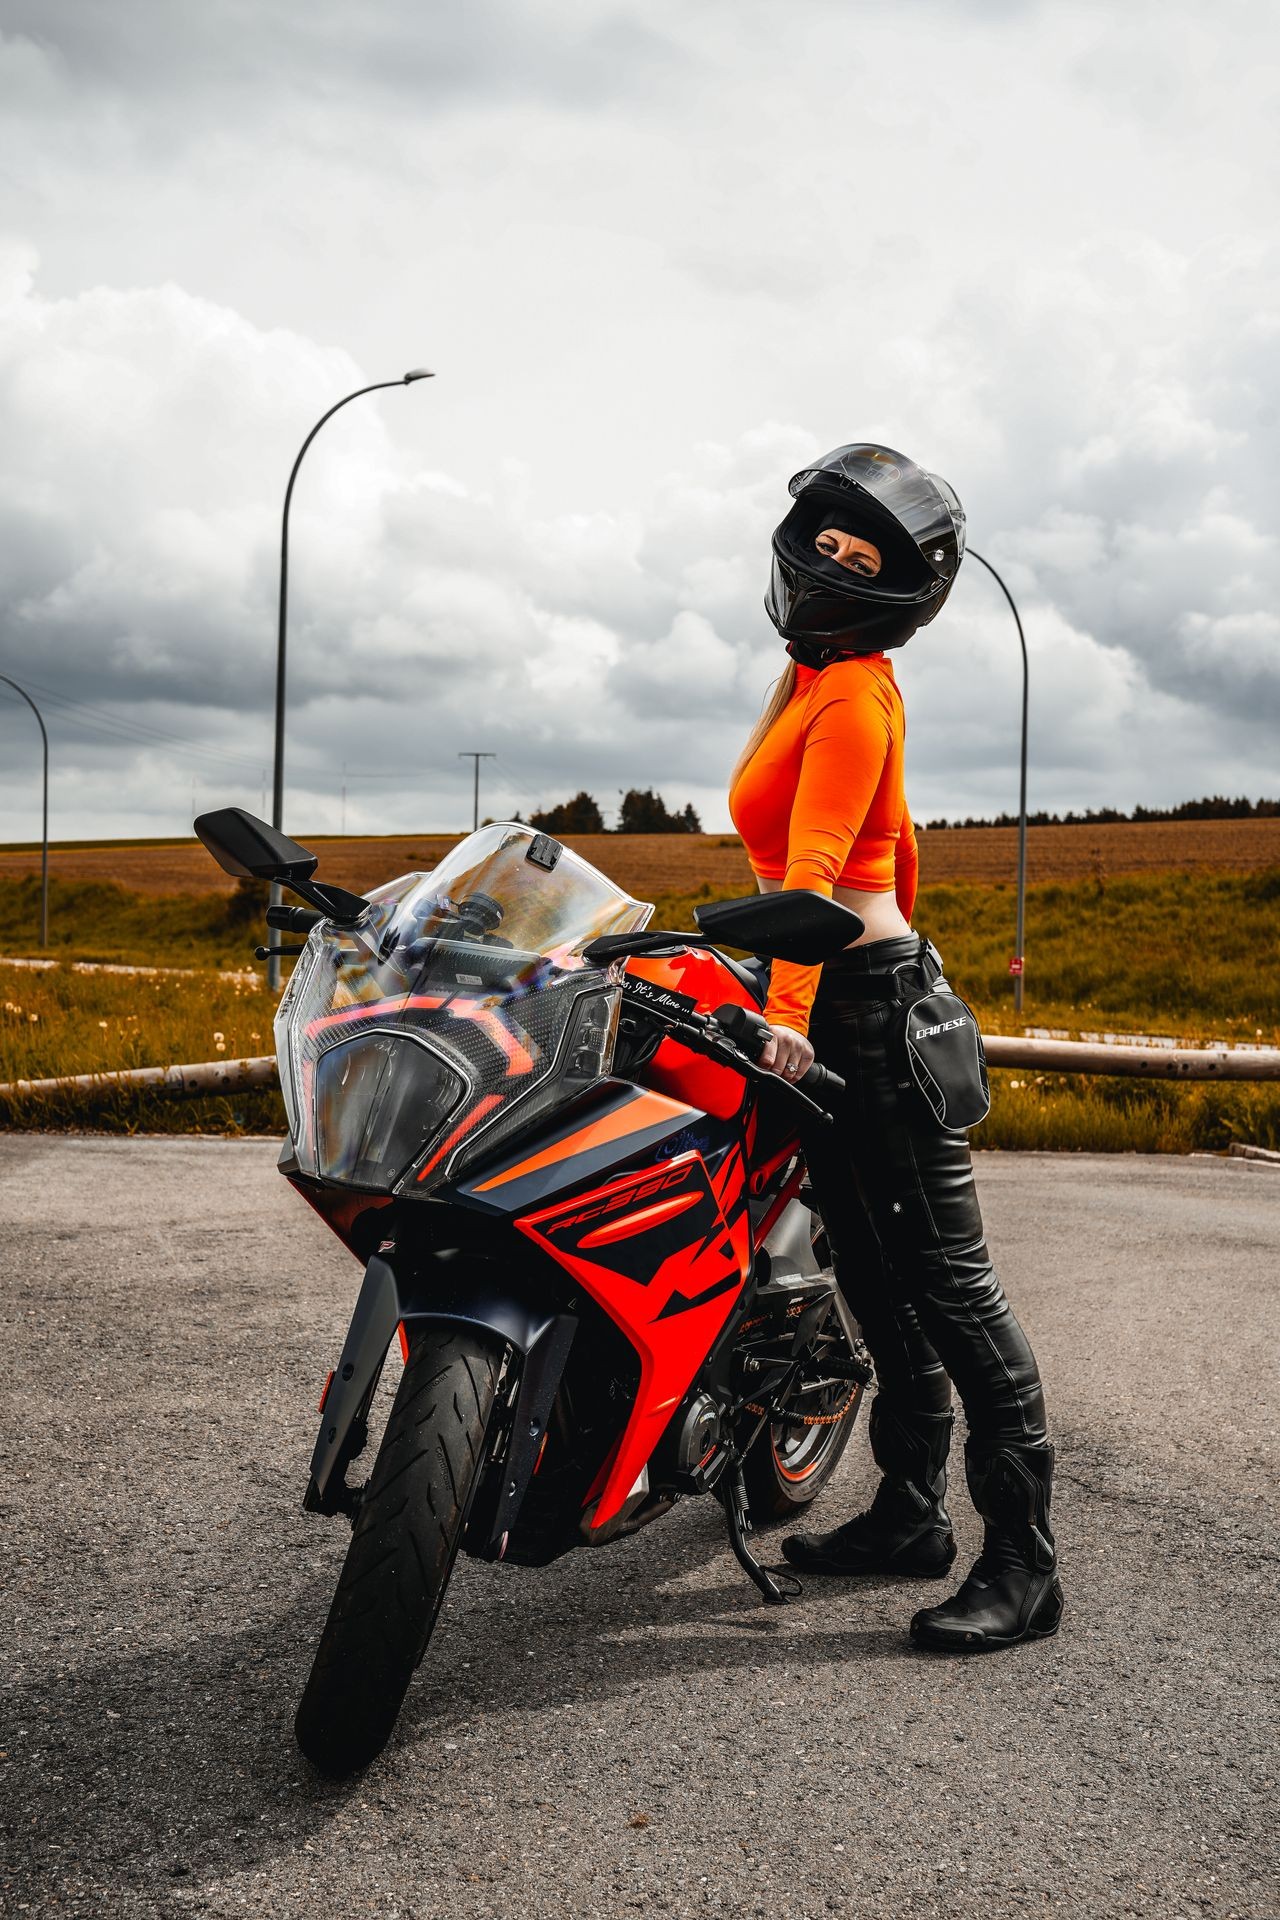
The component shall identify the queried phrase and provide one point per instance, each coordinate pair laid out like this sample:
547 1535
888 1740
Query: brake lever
705 1034
749 1069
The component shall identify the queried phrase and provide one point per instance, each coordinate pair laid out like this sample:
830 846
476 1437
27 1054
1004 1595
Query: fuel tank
704 982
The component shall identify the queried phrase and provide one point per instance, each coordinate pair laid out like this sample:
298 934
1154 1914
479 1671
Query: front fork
413 1290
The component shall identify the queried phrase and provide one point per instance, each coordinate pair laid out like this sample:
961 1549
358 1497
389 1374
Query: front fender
412 1288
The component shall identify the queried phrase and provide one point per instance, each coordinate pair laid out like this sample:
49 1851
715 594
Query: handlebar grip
746 1029
749 1031
820 1080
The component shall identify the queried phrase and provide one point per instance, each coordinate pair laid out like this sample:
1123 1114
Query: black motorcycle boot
906 1529
1012 1592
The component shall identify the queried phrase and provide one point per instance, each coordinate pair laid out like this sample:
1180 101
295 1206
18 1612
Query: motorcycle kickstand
732 1494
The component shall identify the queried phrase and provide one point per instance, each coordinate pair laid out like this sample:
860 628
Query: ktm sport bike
583 1219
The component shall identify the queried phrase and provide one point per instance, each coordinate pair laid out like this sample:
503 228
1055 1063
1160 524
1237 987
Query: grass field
1191 953
649 865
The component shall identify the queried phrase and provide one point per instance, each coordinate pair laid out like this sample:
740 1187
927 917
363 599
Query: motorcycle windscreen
458 1010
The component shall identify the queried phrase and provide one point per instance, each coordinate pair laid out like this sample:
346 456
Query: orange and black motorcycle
582 1215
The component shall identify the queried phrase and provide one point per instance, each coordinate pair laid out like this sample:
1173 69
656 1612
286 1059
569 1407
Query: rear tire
791 1460
778 1487
402 1549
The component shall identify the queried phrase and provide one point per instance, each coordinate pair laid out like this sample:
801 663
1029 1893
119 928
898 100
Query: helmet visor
925 506
885 564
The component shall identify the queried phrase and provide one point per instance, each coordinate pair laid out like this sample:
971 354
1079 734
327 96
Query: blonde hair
783 688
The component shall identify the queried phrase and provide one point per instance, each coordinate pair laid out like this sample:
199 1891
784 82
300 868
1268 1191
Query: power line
525 792
120 726
117 726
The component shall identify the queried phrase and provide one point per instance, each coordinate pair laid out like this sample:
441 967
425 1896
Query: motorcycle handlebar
750 1032
293 919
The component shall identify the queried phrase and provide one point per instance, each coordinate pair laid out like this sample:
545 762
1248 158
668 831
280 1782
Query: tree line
1215 807
642 811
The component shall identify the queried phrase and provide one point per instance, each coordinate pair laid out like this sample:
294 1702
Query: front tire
402 1549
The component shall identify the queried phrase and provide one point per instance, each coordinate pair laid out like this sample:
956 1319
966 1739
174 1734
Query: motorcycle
582 1213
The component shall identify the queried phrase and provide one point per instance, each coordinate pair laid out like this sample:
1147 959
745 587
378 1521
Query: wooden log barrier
1152 1063
208 1076
1003 1050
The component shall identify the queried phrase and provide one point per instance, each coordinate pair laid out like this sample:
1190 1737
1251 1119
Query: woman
866 555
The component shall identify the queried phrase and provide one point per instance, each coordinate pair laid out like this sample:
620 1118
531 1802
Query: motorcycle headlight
589 1050
379 1101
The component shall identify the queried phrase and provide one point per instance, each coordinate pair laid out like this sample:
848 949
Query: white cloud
660 263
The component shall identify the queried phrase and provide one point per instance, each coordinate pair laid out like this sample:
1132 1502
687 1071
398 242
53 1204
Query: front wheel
402 1549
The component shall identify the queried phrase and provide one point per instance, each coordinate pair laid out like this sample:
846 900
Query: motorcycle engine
691 1449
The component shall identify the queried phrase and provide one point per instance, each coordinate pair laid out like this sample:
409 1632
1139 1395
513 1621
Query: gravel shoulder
625 1730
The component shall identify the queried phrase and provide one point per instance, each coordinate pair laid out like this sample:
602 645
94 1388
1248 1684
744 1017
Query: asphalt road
626 1731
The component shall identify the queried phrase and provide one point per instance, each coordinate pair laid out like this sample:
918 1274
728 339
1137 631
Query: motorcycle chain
801 1419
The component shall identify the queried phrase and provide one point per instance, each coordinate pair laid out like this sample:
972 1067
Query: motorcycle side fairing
665 1250
635 1197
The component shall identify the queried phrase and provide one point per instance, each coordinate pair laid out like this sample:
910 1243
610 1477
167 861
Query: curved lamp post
44 820
1017 963
277 790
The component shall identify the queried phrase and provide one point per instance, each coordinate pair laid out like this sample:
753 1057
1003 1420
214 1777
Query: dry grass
56 1021
1171 953
1064 1113
651 864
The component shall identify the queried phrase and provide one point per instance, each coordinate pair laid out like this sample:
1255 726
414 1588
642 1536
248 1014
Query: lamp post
1017 963
277 790
44 812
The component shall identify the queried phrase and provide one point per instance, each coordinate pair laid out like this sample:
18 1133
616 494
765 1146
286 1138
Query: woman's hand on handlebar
786 1053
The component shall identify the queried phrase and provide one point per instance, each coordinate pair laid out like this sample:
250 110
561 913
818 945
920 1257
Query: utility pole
475 806
344 799
44 815
1018 962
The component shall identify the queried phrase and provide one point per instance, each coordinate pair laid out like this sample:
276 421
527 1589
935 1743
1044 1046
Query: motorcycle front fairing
455 1012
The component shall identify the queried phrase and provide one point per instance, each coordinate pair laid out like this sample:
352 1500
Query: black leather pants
898 1198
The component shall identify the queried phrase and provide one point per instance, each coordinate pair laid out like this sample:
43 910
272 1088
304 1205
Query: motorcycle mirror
801 926
246 846
250 848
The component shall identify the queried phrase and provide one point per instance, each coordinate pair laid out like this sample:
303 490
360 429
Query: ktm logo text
643 1189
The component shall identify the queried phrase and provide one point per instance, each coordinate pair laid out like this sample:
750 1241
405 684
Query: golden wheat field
649 865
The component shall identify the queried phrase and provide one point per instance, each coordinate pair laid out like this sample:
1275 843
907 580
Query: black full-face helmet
913 517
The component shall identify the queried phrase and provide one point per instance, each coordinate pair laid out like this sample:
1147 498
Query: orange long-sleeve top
820 803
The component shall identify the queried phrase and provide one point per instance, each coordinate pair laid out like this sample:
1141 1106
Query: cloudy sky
659 256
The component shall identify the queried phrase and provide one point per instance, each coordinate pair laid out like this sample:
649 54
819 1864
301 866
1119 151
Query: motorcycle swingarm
415 1292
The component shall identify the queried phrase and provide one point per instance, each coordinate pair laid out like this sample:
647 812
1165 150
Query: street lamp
44 822
1017 963
277 791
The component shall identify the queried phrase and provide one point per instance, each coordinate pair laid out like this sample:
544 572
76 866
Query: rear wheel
402 1548
801 1443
